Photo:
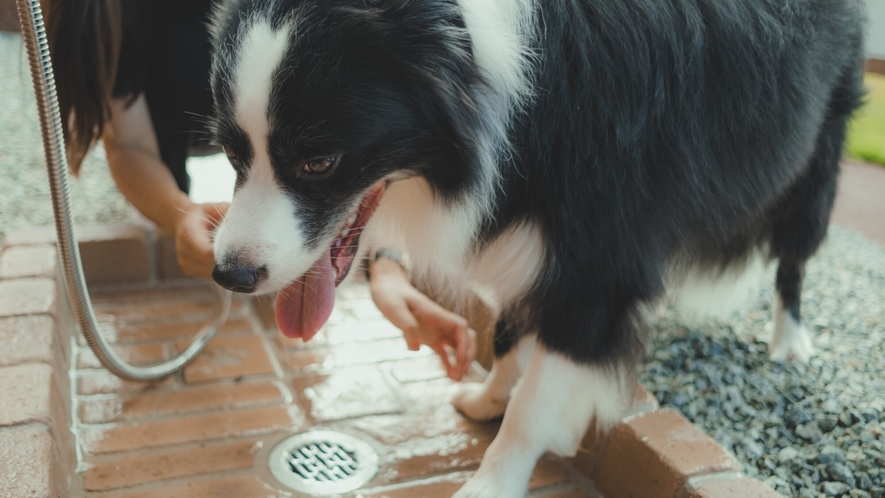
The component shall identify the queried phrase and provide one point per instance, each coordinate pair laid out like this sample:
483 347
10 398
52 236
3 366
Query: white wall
876 40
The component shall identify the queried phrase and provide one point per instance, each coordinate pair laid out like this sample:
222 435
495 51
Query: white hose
34 33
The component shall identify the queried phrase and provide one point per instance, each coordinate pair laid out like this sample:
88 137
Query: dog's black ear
220 20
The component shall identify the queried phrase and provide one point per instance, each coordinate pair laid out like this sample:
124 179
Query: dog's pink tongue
303 307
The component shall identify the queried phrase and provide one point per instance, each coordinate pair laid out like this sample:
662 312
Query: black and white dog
565 159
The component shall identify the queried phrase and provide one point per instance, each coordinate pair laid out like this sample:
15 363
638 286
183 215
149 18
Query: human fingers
198 268
397 312
449 327
463 343
451 372
469 344
461 348
431 314
194 247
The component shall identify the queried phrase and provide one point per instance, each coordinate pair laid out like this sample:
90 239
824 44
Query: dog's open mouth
305 305
345 247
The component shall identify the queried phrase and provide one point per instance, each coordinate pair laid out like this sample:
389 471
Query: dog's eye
234 160
321 165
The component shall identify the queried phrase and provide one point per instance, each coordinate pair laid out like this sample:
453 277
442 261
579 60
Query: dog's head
318 104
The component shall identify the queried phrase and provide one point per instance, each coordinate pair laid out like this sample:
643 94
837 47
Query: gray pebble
835 488
870 416
830 454
832 406
827 424
840 472
778 484
797 416
754 449
787 454
810 432
864 481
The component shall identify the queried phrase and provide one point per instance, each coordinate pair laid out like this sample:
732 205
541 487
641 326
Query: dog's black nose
236 278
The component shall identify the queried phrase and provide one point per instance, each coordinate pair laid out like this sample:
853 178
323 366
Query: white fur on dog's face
262 227
281 99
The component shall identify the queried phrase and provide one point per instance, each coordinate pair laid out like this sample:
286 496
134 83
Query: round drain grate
323 462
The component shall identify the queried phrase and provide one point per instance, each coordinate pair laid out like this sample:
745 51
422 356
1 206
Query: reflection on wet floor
210 427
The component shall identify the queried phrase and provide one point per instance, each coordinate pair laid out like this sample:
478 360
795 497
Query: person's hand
421 319
193 238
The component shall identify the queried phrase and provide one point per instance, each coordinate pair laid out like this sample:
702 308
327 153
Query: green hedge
866 135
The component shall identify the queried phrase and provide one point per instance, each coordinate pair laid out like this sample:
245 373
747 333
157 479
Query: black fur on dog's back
659 131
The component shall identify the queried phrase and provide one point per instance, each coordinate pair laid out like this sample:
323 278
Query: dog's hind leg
796 234
790 341
797 231
801 220
489 399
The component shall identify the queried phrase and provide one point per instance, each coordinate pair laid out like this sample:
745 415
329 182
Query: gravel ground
807 430
24 198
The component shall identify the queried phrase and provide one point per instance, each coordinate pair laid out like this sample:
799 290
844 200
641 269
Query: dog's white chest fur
441 241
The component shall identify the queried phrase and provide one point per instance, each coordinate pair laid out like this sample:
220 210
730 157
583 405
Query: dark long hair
84 41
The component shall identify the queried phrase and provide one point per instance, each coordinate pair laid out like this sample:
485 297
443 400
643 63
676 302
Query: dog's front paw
791 346
484 486
472 400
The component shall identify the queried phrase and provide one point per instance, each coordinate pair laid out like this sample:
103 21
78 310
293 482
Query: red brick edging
658 453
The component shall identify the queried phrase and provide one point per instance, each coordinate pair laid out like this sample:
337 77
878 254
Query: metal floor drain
323 462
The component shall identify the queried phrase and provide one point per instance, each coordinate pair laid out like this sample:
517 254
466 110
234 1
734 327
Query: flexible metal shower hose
34 33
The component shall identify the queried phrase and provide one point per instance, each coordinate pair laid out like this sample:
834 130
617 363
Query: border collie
565 159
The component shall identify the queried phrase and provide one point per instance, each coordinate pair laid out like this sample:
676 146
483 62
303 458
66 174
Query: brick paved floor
206 432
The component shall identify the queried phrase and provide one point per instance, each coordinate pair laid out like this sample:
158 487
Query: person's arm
142 177
421 319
